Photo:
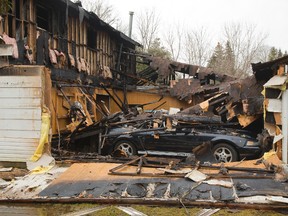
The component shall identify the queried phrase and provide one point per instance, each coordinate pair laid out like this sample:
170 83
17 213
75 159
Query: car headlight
251 143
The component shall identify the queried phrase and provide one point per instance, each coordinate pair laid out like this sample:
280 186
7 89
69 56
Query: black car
227 145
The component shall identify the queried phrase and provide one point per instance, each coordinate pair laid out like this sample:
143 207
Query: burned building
50 52
44 43
61 61
275 106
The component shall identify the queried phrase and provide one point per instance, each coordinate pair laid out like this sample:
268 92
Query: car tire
224 152
125 146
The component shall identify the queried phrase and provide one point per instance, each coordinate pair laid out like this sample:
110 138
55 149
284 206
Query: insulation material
12 41
72 60
105 72
6 49
45 127
52 56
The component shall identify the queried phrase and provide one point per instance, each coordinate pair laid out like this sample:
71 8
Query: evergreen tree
229 64
280 54
157 50
223 60
216 60
273 54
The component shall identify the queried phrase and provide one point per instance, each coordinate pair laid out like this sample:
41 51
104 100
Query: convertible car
226 145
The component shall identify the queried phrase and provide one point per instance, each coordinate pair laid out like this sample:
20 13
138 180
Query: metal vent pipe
131 13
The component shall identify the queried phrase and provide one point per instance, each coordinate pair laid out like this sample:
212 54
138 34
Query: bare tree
197 47
173 40
246 45
147 27
120 26
103 10
263 54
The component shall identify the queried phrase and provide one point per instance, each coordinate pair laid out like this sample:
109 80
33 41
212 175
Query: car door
175 141
185 140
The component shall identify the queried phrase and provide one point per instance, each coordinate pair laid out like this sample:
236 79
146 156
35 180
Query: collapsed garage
70 92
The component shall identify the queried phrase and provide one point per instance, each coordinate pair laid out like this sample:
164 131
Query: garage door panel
20 112
24 114
20 92
17 140
25 125
20 134
20 103
20 81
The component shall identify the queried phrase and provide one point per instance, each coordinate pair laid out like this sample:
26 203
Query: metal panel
274 105
20 114
276 81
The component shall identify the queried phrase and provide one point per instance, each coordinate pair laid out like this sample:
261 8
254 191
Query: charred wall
61 34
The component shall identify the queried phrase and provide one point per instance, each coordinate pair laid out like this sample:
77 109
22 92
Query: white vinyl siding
20 116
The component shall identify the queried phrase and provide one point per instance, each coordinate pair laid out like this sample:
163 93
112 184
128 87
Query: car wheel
224 153
127 147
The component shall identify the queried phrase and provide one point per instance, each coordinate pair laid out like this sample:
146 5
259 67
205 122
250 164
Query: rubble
172 186
85 81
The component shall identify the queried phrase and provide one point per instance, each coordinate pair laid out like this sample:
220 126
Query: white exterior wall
20 115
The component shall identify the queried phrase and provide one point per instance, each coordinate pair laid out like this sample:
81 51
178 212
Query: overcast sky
270 16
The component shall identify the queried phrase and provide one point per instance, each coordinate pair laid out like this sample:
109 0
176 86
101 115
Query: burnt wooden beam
134 132
125 164
112 97
196 118
214 176
152 202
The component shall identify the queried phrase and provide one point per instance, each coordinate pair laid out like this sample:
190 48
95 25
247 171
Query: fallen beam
152 202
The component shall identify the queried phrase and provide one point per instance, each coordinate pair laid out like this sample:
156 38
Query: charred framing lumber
196 119
216 176
121 107
67 37
265 71
179 165
152 202
135 131
140 163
